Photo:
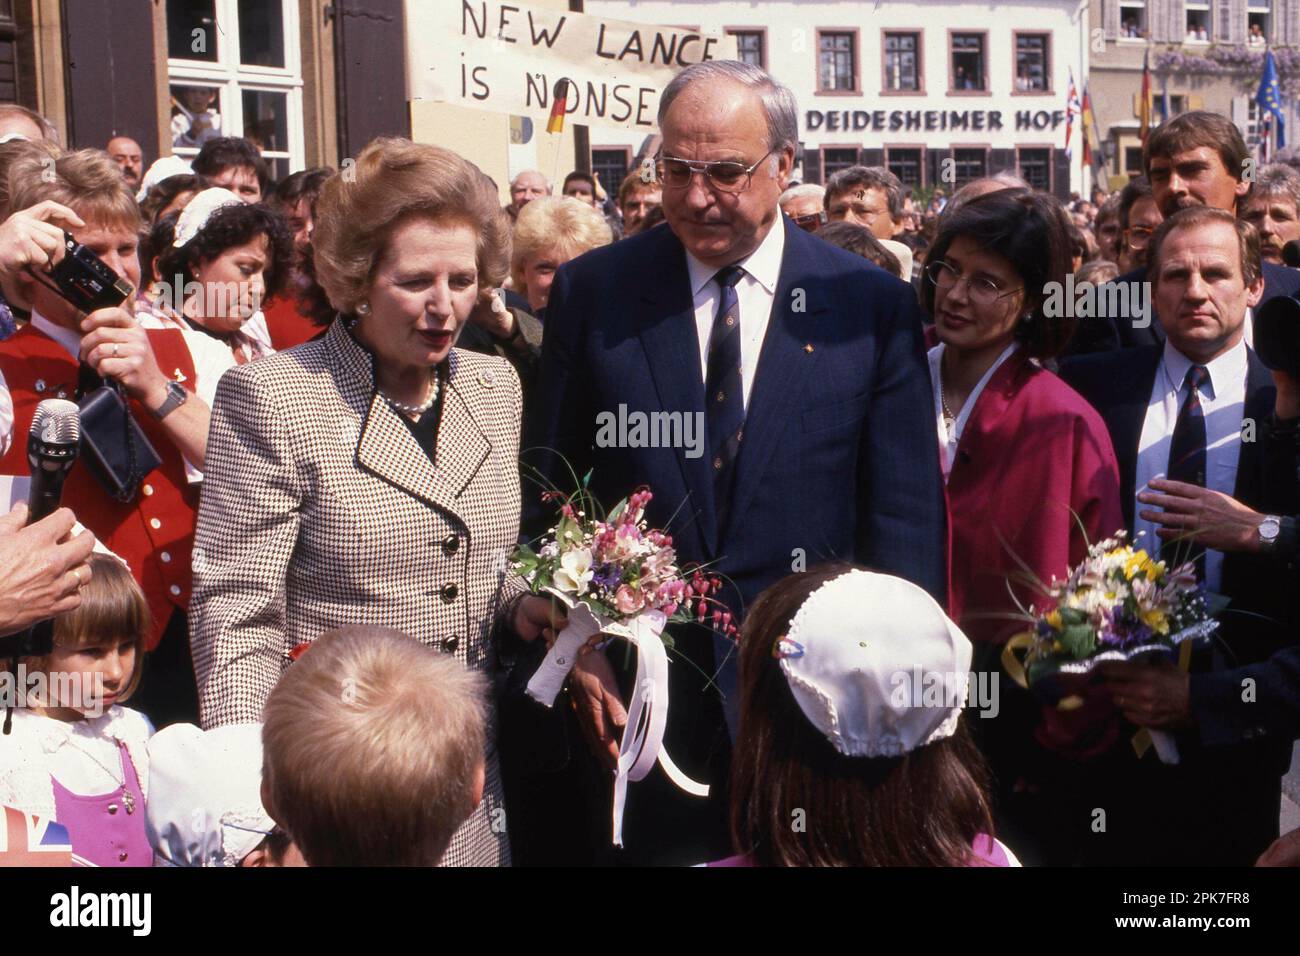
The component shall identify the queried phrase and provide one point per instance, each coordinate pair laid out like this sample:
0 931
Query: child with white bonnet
851 749
205 808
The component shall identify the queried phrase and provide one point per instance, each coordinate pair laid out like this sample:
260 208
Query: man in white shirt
1186 410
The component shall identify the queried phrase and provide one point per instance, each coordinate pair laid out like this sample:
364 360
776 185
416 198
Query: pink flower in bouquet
628 600
658 566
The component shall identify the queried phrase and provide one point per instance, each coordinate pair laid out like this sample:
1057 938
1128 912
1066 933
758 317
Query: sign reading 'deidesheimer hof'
507 57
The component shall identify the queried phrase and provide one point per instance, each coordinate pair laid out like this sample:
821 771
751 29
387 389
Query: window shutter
1237 21
1110 19
1002 160
812 164
370 61
1177 21
110 72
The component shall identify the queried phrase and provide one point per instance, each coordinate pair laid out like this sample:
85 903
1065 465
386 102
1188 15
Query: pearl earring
363 308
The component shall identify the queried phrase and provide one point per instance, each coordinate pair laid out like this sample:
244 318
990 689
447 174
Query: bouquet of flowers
619 577
618 567
1119 604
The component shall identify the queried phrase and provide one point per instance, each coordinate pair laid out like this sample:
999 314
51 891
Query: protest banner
508 58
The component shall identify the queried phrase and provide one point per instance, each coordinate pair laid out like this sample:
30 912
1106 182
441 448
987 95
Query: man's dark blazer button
449 592
450 544
450 644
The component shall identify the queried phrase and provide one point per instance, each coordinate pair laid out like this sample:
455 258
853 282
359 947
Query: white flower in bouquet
574 573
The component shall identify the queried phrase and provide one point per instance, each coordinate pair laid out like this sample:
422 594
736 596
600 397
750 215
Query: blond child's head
373 749
98 647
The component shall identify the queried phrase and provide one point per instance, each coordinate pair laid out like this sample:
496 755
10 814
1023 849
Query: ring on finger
115 348
81 582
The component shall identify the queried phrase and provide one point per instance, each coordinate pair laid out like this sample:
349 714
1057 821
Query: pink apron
107 830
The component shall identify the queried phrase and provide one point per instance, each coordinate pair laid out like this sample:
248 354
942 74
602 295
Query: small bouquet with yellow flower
1119 604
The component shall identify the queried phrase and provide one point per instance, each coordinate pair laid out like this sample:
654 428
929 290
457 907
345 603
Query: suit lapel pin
178 375
487 378
808 348
40 385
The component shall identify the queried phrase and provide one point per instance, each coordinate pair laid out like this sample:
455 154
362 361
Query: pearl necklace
414 409
949 419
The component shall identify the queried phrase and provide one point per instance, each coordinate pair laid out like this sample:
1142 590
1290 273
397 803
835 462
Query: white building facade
940 91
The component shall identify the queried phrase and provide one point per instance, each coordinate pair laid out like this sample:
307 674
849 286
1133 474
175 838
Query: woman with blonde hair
548 233
370 476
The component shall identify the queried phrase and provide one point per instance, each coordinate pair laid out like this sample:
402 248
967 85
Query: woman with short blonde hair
370 476
548 233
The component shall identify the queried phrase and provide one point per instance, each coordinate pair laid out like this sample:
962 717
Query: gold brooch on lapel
487 378
178 375
808 348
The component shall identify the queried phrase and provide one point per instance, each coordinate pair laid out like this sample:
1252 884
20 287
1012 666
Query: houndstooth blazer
319 508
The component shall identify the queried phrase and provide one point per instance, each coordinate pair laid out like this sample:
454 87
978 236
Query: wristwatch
176 397
1269 529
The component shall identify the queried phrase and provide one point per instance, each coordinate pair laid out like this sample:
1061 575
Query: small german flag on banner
559 102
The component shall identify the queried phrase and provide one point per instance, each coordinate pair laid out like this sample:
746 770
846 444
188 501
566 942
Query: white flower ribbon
647 712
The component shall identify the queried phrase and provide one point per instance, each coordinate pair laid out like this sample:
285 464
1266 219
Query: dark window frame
1047 65
983 90
760 32
855 60
885 89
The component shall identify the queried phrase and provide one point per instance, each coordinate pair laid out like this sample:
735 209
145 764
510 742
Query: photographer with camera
140 419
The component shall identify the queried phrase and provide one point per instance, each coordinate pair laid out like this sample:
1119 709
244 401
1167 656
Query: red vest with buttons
154 534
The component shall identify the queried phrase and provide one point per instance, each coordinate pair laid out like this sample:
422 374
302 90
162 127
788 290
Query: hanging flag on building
1087 127
1269 98
1144 109
559 100
1166 114
1072 109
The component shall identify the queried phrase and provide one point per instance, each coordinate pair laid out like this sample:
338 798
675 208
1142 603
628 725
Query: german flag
1144 111
559 102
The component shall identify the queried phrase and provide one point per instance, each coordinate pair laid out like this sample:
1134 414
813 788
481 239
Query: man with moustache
806 367
1273 207
125 151
1175 413
1196 159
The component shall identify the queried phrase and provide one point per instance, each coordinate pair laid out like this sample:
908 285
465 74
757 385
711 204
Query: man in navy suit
1196 159
1183 417
803 370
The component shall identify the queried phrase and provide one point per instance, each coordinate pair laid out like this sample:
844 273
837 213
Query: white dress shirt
948 441
755 293
1223 401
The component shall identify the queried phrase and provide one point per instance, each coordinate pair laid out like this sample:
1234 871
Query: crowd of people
346 394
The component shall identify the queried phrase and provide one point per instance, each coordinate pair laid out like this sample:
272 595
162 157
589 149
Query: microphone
1291 253
52 447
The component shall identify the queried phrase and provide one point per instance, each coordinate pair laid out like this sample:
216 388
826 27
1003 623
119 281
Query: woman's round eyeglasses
982 290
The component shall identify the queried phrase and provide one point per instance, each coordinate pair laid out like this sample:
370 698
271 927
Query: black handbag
113 445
